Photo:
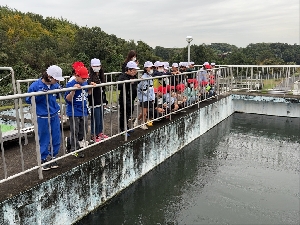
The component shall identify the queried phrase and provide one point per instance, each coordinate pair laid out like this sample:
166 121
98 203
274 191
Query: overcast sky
166 23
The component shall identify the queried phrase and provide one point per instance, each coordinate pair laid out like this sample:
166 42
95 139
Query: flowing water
243 171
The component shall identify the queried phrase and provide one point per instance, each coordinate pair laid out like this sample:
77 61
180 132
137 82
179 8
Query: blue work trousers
44 131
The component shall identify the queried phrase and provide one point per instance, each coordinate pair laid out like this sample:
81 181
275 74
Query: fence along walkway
277 78
225 74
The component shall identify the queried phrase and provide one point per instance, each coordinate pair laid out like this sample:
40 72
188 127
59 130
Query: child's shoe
144 127
45 167
95 139
149 123
83 143
102 136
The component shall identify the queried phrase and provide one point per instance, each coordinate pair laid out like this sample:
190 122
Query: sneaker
136 123
95 139
54 165
149 123
102 136
144 127
83 143
45 167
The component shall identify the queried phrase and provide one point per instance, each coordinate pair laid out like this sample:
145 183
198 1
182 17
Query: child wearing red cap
158 111
181 98
75 66
192 91
77 110
170 103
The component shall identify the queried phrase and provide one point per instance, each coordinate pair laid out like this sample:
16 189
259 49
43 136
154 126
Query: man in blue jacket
47 109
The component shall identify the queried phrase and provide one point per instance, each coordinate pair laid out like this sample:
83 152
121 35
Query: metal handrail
224 83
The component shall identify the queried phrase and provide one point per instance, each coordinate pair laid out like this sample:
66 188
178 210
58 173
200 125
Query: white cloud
166 23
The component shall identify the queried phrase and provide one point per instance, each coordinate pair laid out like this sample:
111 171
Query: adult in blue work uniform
47 108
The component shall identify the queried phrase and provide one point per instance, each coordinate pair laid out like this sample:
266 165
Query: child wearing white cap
97 99
146 96
190 68
48 81
127 94
174 80
213 66
159 70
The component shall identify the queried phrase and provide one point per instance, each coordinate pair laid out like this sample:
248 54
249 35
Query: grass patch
271 83
112 96
5 128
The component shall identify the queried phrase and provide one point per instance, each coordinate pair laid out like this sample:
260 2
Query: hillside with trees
29 43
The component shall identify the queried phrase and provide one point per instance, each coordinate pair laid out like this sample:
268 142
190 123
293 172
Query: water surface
243 171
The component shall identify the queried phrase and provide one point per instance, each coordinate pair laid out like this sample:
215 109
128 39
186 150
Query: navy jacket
122 77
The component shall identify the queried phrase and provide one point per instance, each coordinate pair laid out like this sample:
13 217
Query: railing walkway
18 159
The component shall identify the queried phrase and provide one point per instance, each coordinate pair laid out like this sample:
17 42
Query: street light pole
189 39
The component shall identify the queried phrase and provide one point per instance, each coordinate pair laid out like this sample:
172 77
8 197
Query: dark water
243 171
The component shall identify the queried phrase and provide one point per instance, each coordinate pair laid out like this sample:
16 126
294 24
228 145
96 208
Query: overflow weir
67 197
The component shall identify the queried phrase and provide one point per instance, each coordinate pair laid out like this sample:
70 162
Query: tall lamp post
189 39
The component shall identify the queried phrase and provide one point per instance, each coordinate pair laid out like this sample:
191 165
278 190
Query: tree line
29 43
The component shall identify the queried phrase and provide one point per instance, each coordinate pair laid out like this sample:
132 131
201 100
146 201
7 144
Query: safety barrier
225 80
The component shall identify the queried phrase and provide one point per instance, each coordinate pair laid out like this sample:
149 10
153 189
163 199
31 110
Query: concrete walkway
12 155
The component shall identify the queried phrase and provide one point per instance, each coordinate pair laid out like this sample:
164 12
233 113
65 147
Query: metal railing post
124 110
36 135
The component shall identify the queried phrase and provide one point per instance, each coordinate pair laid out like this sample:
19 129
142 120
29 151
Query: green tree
29 43
162 52
237 57
145 53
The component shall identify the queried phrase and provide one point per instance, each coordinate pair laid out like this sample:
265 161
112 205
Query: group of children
158 95
77 103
